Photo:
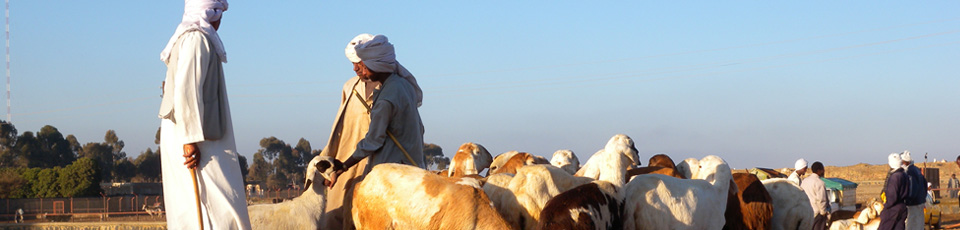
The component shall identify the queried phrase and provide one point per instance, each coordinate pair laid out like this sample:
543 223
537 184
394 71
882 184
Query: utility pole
7 13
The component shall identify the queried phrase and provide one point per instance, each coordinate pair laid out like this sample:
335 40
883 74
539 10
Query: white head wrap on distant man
197 15
894 160
905 156
377 53
800 164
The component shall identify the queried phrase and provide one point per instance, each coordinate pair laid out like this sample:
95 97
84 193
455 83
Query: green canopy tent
842 192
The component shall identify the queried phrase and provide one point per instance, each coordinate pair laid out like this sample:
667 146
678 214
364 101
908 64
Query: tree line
48 164
277 165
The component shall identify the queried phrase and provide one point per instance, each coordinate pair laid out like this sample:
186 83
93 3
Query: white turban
800 164
905 156
894 160
377 53
197 15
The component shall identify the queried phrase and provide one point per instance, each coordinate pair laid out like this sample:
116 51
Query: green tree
30 177
8 142
156 139
434 156
29 152
103 155
244 170
303 153
276 181
111 139
46 185
81 178
260 168
11 183
148 166
124 170
75 145
284 163
84 179
56 150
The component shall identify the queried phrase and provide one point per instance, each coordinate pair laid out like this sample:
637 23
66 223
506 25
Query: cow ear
337 165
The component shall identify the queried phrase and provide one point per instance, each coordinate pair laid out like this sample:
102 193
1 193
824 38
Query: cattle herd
612 190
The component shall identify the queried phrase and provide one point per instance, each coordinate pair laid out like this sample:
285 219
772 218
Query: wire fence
131 207
81 208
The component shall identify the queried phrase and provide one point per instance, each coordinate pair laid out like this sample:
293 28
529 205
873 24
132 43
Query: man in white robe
394 109
196 125
799 168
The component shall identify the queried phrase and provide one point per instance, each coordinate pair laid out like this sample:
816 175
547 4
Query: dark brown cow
751 208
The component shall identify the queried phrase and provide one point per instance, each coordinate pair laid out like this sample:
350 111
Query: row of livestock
522 191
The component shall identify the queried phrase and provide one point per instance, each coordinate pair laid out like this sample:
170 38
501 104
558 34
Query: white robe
795 178
220 180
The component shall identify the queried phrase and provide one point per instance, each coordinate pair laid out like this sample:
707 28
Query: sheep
791 207
396 196
304 211
751 208
534 185
611 163
596 205
865 219
566 160
870 211
851 224
471 158
661 202
519 160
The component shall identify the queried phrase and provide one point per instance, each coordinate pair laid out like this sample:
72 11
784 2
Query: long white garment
914 217
794 177
220 181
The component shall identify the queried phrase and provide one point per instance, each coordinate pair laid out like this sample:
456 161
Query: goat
662 202
304 211
566 160
471 158
396 196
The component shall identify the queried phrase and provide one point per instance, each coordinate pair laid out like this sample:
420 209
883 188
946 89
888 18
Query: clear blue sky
759 83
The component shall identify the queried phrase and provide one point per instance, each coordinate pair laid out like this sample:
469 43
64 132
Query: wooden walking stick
395 141
191 148
196 194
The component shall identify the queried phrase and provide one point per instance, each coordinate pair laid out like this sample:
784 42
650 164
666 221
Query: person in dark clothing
894 214
917 195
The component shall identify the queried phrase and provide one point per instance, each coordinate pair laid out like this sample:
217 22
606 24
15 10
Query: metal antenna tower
7 13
